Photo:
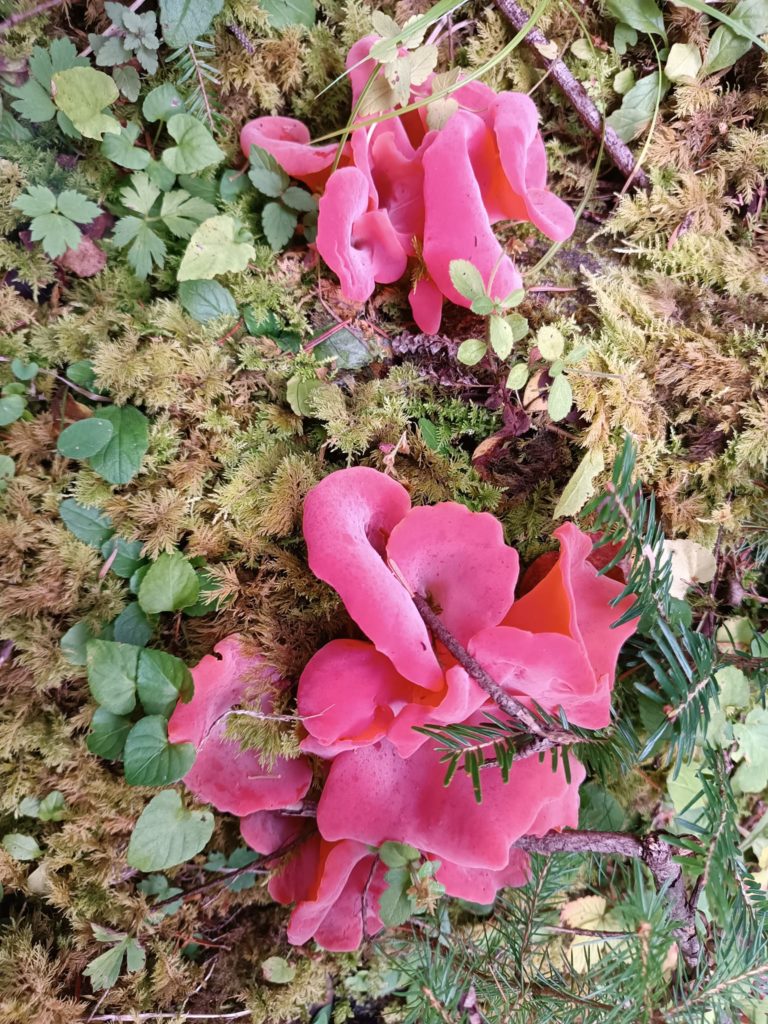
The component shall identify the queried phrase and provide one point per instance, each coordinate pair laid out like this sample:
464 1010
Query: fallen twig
588 114
657 857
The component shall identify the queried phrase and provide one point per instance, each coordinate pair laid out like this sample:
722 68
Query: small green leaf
104 971
219 246
624 81
398 855
232 184
132 626
298 392
162 680
471 351
752 737
513 299
299 199
283 13
278 971
127 81
112 671
195 147
11 408
550 342
150 760
395 906
120 149
642 15
162 102
53 807
35 201
76 207
346 347
266 174
638 107
169 585
56 232
108 734
560 398
84 438
518 377
167 834
581 486
683 63
502 337
21 847
74 643
120 460
206 300
429 433
482 306
185 21
82 94
126 558
467 279
278 224
7 470
24 371
88 524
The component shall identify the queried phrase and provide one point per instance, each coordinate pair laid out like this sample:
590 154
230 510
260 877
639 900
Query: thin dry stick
589 115
131 1018
507 703
657 857
19 16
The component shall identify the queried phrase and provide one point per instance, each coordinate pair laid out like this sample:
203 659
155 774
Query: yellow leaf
691 563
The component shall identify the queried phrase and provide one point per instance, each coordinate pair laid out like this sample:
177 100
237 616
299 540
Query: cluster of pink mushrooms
403 197
359 699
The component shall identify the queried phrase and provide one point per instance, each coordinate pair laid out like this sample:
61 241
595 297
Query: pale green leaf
169 585
112 672
683 62
36 201
466 279
219 246
56 232
181 213
278 971
642 15
86 437
195 147
278 224
560 398
550 342
471 351
283 13
82 94
518 377
501 336
21 847
162 102
581 486
638 107
184 21
167 834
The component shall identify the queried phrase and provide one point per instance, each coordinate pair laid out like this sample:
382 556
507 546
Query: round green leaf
518 377
206 300
24 371
550 342
161 681
162 103
167 833
21 847
169 585
150 760
83 439
120 459
112 670
108 734
74 643
11 408
466 279
196 148
471 351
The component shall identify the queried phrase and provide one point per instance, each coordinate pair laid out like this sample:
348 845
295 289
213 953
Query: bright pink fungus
405 196
360 699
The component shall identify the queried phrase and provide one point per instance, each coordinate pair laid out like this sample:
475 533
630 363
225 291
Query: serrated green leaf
471 351
34 103
581 486
398 855
108 734
82 94
35 201
395 906
184 21
467 279
518 377
86 437
88 524
162 681
167 834
57 233
181 213
219 246
550 342
560 398
149 759
140 195
112 672
299 199
120 459
266 174
104 971
278 224
147 249
169 585
75 206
